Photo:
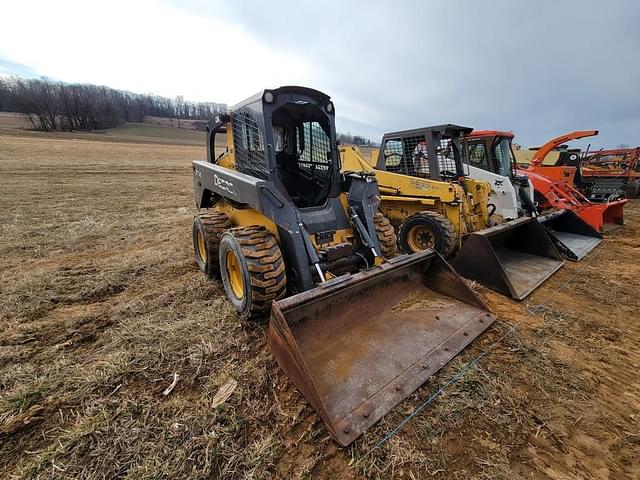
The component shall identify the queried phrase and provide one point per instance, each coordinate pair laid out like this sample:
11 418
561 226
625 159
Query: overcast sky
539 68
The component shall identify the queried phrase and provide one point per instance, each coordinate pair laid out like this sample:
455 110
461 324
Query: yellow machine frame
466 207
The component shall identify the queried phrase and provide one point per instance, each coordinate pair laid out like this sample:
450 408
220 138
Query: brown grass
100 304
14 120
18 124
171 122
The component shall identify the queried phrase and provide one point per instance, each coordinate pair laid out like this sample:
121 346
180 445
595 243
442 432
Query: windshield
303 153
504 156
313 149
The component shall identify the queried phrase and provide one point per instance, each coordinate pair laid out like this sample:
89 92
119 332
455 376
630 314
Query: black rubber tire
386 236
211 225
440 227
263 270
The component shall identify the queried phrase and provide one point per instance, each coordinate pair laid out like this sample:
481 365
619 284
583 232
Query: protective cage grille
313 150
410 155
248 142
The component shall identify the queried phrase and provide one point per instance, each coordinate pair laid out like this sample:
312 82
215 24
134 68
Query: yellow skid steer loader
356 328
430 200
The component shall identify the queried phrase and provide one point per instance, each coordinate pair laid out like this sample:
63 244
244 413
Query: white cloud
144 46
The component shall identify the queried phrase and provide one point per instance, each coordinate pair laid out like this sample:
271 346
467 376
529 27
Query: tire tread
265 266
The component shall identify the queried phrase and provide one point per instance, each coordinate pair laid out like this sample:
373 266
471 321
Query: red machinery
554 188
491 159
610 173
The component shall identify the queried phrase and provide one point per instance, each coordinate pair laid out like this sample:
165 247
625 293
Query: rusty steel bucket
573 237
359 344
513 258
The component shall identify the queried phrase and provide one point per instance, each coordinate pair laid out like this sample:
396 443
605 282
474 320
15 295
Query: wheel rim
420 238
202 246
234 273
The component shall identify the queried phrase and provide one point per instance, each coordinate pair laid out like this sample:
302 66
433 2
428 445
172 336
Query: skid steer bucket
572 236
604 217
513 258
613 214
359 344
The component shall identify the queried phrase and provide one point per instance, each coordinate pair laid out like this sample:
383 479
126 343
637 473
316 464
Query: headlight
269 97
329 107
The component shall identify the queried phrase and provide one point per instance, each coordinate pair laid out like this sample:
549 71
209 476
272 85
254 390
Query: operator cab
492 153
285 136
303 153
433 153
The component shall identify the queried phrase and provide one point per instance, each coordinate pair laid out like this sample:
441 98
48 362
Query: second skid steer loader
490 157
356 330
428 196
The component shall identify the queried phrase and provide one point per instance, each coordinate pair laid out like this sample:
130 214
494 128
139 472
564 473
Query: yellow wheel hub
202 247
234 274
420 238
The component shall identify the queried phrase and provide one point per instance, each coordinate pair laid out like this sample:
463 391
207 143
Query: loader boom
543 151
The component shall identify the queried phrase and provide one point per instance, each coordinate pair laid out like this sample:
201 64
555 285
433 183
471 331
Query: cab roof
287 89
490 133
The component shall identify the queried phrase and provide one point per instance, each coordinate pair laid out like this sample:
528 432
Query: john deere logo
223 184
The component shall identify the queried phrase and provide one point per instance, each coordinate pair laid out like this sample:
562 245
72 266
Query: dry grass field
17 124
170 122
101 306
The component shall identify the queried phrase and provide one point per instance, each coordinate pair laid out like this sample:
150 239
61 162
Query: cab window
478 156
393 150
504 156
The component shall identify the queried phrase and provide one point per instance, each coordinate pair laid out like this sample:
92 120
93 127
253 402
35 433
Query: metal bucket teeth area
513 258
358 346
573 237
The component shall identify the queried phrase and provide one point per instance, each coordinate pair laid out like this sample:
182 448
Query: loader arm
352 160
543 151
560 195
400 184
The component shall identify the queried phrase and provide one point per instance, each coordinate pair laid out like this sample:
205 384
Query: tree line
353 139
59 106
